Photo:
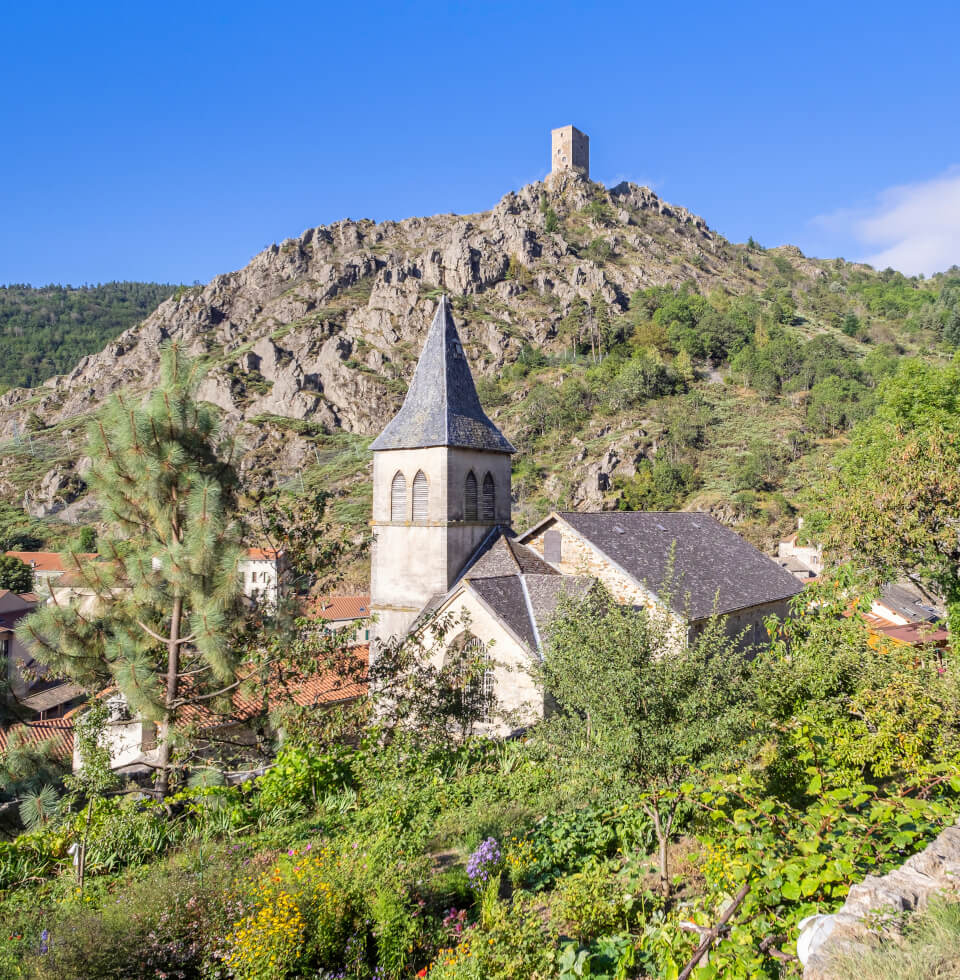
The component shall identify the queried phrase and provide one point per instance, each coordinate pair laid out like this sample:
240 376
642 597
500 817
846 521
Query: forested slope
45 330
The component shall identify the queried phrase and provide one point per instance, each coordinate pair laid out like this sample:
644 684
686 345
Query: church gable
569 553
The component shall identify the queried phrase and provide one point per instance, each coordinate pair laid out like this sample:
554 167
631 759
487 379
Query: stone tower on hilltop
441 484
570 151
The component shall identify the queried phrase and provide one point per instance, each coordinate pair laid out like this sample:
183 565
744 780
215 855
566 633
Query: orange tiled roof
263 554
339 607
915 633
44 561
56 730
327 688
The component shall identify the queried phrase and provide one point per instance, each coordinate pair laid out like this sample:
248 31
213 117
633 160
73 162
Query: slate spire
442 407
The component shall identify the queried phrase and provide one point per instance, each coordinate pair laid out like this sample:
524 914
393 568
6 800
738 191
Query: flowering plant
484 863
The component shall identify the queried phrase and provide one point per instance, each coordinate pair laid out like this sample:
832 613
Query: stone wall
824 938
411 563
570 150
518 696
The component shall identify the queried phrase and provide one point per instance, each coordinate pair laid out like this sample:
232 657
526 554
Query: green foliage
593 902
44 331
15 575
642 377
19 531
167 591
304 776
551 223
638 706
898 484
660 485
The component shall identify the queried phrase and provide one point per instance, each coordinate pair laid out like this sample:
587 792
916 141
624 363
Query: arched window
470 670
470 497
421 492
489 499
398 498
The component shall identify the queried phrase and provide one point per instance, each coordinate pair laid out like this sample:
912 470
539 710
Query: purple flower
484 862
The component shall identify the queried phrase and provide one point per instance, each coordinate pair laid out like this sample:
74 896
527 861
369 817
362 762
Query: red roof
57 730
339 607
263 554
44 561
326 688
915 633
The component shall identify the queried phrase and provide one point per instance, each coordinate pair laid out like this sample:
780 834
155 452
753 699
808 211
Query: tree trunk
662 840
82 856
173 678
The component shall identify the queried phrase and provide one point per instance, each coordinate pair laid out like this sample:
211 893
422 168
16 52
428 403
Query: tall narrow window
420 497
489 501
398 498
470 498
553 546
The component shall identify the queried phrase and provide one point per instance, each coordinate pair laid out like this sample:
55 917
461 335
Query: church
443 542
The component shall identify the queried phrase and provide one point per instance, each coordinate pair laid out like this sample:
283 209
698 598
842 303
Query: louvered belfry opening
398 498
421 495
470 497
489 502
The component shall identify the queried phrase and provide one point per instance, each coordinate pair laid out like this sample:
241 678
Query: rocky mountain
318 335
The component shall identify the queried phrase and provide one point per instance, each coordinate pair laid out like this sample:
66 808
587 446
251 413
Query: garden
569 853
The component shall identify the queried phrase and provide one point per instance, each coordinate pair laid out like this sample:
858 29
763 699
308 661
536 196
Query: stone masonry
827 941
570 151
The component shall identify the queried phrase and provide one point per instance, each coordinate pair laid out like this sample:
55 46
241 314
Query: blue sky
174 141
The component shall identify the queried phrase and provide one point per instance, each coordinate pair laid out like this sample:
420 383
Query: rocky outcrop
325 328
823 938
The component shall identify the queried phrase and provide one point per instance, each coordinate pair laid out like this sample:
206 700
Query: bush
592 901
167 924
302 776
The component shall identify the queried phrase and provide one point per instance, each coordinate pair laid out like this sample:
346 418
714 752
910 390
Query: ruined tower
570 151
441 483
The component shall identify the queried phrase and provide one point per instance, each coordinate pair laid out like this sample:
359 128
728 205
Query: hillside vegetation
46 330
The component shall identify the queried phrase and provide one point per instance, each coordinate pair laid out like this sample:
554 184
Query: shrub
167 924
592 901
302 776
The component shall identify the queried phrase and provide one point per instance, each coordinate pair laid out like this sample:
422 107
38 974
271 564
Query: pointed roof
442 407
504 556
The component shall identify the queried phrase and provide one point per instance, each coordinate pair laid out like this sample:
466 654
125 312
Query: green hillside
46 330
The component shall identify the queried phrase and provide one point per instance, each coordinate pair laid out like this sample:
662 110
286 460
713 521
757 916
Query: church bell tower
441 484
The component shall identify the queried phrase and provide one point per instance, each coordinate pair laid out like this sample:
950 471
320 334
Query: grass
928 950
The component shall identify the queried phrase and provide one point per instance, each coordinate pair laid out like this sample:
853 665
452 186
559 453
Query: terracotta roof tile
56 730
339 607
44 561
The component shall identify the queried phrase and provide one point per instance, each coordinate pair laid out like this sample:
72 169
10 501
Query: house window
470 498
420 497
398 498
489 500
552 546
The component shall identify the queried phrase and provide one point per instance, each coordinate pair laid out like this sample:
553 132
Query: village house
443 543
348 615
47 566
261 572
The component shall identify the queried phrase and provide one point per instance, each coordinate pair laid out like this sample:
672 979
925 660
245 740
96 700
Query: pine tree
166 585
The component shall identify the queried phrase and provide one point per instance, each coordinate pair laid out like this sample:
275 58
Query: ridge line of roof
531 614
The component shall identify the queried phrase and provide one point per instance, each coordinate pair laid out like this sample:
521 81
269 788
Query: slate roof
442 407
527 603
710 562
907 603
520 588
506 556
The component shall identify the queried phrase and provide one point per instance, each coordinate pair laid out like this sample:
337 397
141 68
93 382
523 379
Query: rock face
325 328
934 871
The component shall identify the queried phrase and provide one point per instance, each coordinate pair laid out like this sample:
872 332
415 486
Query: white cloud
913 228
